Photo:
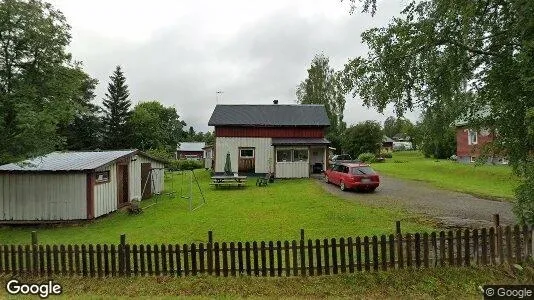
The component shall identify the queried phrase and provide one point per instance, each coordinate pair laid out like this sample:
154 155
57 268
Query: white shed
64 186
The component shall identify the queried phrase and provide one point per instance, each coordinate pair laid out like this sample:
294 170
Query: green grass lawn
489 181
442 283
275 212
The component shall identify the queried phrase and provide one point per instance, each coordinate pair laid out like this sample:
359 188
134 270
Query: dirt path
448 208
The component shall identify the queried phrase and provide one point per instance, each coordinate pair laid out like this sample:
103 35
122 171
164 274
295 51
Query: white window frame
473 159
300 149
289 160
470 140
253 153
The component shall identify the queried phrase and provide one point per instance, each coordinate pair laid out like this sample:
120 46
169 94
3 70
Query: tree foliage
324 86
364 137
155 127
441 54
39 84
117 133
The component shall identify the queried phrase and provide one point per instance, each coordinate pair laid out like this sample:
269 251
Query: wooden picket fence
289 258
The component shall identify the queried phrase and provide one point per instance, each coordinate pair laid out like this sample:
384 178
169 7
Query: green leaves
155 127
325 86
40 87
117 134
454 59
362 137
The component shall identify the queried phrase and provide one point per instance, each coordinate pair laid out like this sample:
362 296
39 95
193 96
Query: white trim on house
472 137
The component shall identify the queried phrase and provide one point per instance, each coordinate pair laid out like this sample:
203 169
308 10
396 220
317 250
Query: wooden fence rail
491 246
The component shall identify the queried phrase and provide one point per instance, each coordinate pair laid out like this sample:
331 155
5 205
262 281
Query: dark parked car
353 176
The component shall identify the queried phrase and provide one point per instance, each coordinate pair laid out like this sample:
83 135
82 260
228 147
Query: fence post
398 227
122 257
34 237
496 221
302 234
210 237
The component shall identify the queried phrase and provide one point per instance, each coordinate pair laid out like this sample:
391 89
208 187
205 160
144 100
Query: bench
263 181
229 181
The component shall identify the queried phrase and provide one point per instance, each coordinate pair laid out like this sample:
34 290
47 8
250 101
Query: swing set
153 177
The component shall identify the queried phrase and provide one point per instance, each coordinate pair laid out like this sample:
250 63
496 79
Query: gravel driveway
448 208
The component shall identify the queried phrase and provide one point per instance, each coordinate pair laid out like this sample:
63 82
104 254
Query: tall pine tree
117 134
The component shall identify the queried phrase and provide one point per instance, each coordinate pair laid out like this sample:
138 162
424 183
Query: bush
184 164
386 155
367 157
135 208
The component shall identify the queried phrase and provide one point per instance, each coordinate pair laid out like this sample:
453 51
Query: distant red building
471 142
190 150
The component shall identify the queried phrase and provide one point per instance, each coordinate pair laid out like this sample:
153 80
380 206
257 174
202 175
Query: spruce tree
117 112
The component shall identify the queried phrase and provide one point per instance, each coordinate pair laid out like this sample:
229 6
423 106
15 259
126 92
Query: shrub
184 164
367 157
386 155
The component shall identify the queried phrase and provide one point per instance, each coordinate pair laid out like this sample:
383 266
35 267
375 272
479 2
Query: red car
352 176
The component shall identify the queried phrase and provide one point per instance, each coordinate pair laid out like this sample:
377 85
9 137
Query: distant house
470 143
192 150
401 137
387 144
287 140
63 186
209 157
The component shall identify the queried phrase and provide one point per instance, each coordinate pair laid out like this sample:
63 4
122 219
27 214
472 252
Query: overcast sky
181 52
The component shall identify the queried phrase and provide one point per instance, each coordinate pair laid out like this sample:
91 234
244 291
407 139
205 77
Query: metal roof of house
269 115
68 161
300 141
195 146
386 139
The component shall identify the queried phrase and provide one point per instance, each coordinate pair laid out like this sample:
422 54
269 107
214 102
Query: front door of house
247 160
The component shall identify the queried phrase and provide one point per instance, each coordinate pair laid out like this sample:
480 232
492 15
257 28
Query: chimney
275 101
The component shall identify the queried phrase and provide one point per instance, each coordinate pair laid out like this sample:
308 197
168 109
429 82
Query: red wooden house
470 144
287 140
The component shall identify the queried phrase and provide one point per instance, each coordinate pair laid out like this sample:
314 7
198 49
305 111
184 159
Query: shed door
247 160
146 181
122 184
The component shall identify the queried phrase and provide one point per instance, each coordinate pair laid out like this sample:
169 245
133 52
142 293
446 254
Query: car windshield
362 171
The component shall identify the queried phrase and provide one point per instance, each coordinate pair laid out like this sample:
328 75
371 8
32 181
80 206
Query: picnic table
228 180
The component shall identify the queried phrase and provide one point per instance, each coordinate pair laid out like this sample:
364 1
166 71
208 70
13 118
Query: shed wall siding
28 197
135 186
106 193
263 152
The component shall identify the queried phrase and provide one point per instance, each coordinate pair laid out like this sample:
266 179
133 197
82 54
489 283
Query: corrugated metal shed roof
67 161
195 146
269 115
300 141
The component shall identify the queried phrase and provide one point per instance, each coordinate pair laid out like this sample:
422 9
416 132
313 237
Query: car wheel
342 186
326 179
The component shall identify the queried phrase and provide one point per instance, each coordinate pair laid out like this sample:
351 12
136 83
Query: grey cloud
261 62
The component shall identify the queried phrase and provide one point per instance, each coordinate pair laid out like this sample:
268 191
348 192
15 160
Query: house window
472 137
300 155
246 153
283 155
102 177
473 159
